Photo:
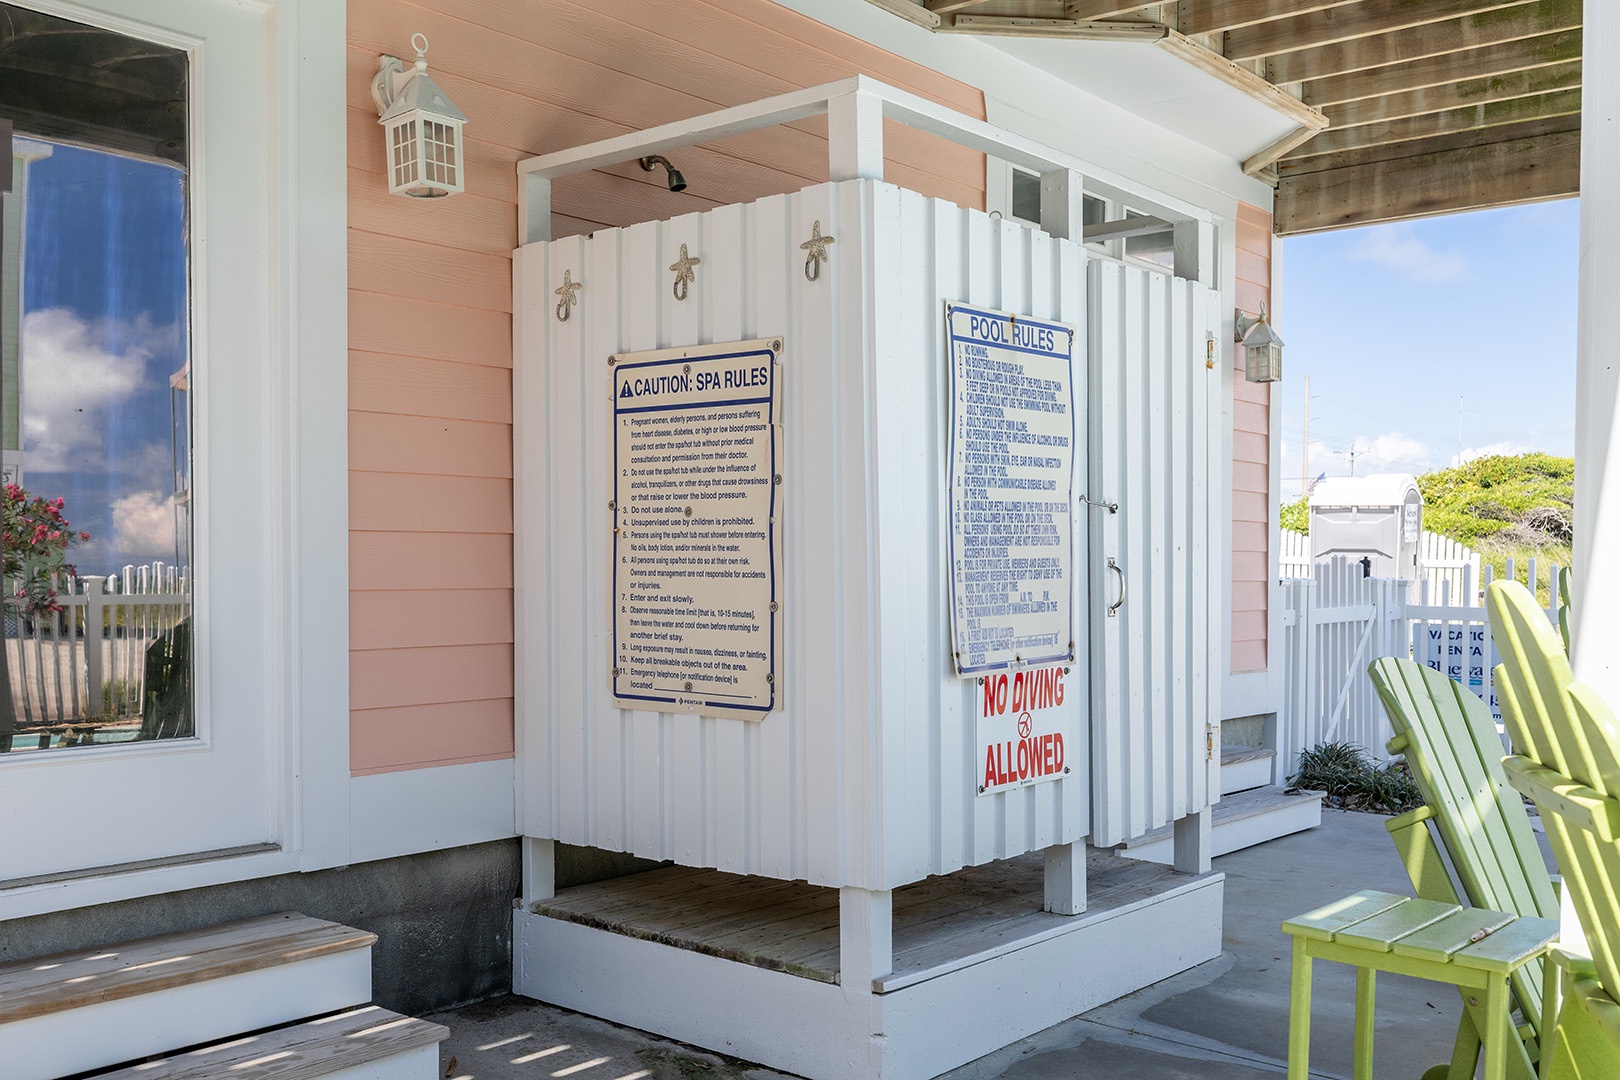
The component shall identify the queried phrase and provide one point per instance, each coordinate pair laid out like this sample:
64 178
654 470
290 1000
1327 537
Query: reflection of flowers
36 538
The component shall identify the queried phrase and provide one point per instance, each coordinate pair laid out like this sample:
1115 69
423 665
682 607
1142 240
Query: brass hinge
1209 742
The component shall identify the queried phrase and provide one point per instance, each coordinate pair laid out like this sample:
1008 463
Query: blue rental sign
1012 434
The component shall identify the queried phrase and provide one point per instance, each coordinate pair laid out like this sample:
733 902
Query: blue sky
1394 323
104 327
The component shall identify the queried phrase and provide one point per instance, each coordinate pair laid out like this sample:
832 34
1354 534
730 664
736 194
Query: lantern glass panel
404 147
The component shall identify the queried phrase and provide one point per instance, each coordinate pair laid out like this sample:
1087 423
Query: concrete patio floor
1224 1020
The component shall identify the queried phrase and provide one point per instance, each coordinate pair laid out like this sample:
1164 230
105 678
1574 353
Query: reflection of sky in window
104 328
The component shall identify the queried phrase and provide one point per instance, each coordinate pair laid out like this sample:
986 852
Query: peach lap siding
1251 458
430 298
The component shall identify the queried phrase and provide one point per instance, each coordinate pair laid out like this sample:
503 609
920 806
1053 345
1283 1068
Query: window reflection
95 380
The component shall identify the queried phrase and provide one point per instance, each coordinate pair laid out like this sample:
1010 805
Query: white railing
1443 559
1337 622
87 662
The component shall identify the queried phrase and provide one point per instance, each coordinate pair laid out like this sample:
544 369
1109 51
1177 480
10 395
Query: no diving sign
1024 718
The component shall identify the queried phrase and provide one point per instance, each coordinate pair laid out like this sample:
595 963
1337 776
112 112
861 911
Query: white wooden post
1595 628
855 136
865 937
1066 879
1191 842
94 618
534 209
539 870
1062 204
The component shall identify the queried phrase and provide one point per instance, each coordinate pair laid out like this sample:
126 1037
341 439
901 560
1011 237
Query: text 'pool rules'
1012 434
697 531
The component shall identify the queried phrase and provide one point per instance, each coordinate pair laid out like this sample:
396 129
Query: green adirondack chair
1569 764
1449 738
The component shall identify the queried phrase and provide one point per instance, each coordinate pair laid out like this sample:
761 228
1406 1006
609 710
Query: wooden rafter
1433 99
1091 10
1005 26
947 7
1461 140
1471 178
1492 60
1369 18
1492 114
1196 17
1431 39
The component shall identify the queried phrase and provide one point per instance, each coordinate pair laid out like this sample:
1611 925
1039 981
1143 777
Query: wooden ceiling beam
1433 39
1369 18
1197 17
911 11
1090 10
1495 174
1491 114
1433 99
946 7
1461 140
1000 26
1493 60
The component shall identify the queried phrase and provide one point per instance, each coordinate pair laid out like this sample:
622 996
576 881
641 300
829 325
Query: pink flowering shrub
36 538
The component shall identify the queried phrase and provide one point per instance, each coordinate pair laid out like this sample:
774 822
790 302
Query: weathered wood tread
66 981
1233 754
300 1052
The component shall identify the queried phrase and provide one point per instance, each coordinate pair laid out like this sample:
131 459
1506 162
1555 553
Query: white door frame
266 782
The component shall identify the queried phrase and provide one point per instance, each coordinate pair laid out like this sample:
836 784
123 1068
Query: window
95 382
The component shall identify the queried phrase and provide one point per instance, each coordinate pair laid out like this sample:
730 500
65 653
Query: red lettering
1057 766
1018 692
990 767
1057 690
1023 759
1046 754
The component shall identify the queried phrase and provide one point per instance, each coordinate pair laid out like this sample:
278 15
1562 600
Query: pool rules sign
1012 431
697 532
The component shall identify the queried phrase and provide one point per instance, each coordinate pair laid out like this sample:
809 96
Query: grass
1353 781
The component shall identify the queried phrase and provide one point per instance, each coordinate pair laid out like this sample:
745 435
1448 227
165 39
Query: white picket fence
1337 622
1444 560
87 662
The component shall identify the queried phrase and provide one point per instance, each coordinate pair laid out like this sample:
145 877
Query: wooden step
370 1043
1245 767
150 996
1240 821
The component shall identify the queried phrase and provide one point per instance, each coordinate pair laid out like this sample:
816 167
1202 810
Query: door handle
1113 609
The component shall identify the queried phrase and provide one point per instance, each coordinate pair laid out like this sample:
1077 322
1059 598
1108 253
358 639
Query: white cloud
1395 248
75 373
1506 448
1393 452
144 522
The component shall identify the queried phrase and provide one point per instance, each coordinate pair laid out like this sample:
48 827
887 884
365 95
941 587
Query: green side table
1470 948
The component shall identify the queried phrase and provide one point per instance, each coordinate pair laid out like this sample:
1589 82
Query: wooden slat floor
792 926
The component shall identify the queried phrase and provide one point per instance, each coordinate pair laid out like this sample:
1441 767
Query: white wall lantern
421 128
1262 348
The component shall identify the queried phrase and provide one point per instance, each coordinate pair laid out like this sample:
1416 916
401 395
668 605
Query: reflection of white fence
88 660
1444 560
1337 622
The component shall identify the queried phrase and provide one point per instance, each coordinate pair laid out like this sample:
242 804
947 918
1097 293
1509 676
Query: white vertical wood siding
866 776
1154 451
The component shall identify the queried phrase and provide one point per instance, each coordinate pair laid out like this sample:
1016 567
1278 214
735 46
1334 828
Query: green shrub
1353 781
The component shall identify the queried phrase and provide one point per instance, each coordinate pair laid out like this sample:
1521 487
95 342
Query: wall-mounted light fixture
1262 348
677 182
421 128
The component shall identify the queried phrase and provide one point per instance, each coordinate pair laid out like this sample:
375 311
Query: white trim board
405 813
818 1030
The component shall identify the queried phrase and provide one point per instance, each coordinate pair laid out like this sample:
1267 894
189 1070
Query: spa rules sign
697 533
1012 490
